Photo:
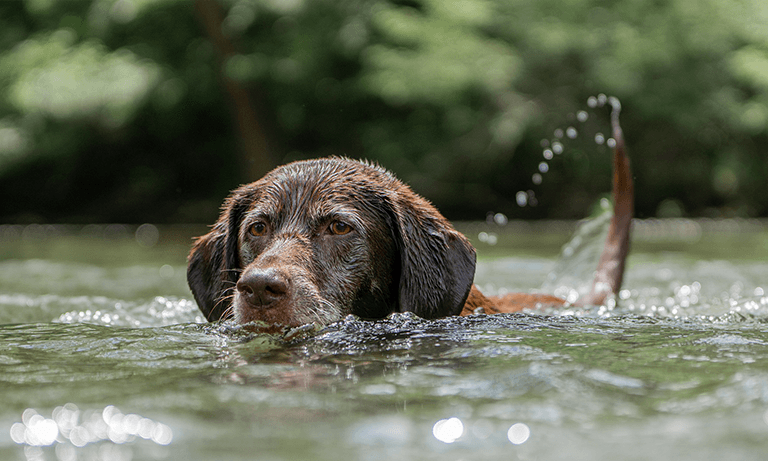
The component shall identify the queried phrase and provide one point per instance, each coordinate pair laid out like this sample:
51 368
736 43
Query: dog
313 241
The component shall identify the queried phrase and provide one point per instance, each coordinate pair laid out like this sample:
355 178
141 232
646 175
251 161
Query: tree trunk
257 156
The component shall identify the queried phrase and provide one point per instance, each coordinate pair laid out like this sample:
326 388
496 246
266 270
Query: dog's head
313 241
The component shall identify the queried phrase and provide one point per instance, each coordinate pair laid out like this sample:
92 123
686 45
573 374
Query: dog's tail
610 269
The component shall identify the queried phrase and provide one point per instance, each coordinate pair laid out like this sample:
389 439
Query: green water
104 356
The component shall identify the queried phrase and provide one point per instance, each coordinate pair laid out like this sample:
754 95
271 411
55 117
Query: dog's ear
437 263
205 273
213 265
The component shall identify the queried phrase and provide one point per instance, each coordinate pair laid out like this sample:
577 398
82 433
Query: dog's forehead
323 187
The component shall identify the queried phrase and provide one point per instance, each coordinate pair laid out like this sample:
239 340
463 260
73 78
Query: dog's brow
346 215
282 215
262 213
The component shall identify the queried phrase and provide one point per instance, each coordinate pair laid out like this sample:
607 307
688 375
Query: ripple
159 311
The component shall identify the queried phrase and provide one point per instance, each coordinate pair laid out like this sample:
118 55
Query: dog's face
312 247
316 240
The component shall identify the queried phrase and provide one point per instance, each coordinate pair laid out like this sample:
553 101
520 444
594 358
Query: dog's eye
340 228
258 229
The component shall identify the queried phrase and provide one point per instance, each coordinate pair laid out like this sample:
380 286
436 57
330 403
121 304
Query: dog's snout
262 288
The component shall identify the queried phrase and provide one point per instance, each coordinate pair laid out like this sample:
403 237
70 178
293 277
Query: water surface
105 356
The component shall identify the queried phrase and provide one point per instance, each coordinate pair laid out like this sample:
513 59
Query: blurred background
138 111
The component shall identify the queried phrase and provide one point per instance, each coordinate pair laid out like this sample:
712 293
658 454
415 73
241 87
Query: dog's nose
263 287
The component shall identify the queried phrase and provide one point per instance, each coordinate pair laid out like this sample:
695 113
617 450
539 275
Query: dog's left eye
340 228
258 229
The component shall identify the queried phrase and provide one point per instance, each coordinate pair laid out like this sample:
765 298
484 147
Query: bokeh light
77 428
448 430
518 433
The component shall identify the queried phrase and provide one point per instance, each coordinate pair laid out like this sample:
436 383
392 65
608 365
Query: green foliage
435 55
54 77
137 110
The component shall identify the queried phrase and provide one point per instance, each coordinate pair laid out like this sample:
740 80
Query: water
104 356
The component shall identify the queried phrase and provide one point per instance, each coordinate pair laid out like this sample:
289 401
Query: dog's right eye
340 228
258 229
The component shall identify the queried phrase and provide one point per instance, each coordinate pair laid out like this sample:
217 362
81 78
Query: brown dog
315 240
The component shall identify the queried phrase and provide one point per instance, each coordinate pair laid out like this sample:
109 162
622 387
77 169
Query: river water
103 355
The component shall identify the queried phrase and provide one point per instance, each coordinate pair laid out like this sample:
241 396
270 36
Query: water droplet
543 167
500 219
548 154
601 99
557 147
545 143
571 132
614 102
592 102
559 133
522 198
536 178
599 139
582 115
532 201
611 143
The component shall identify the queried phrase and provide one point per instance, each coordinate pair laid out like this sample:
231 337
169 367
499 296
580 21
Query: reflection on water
451 429
448 430
518 433
69 425
675 368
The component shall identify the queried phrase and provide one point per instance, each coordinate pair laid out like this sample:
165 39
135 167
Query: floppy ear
213 264
437 263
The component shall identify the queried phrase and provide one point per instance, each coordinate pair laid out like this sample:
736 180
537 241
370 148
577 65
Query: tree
152 110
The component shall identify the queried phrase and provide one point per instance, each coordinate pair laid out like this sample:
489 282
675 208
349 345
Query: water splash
571 277
159 311
599 139
521 198
488 237
557 147
554 147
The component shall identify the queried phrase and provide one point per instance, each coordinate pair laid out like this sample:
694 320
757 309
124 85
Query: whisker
325 312
227 313
225 298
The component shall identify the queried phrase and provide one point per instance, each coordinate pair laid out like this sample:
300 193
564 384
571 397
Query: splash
159 311
571 278
554 146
